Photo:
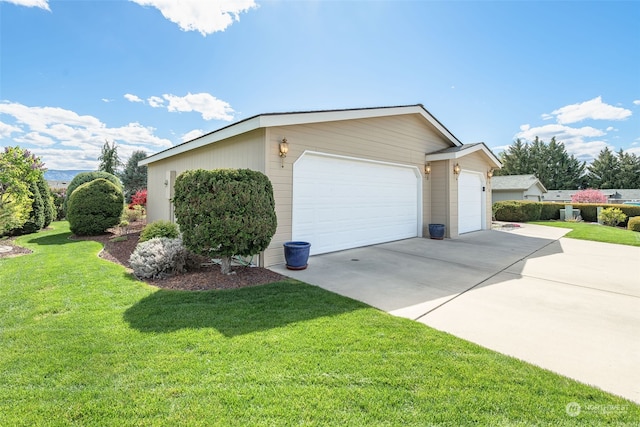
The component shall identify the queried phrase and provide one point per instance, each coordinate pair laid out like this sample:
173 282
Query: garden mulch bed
118 247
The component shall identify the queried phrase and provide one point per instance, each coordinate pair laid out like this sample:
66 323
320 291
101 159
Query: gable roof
515 182
463 150
301 117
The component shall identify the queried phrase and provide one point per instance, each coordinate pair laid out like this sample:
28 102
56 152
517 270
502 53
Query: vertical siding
439 194
242 152
398 139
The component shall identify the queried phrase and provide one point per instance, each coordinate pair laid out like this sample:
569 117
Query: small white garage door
469 202
341 203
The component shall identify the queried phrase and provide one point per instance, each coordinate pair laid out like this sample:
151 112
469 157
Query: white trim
289 119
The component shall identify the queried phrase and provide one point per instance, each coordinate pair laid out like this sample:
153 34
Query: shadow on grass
53 239
237 312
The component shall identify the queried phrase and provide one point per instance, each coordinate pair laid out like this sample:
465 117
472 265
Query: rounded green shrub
159 228
634 224
517 211
83 178
94 207
225 212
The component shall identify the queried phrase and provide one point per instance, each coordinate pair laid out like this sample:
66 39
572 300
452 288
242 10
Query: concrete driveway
566 305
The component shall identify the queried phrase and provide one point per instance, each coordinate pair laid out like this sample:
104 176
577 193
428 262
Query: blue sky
150 74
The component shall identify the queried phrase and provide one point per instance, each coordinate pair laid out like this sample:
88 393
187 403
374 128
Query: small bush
35 222
158 257
133 213
634 223
159 229
94 207
517 211
612 216
139 198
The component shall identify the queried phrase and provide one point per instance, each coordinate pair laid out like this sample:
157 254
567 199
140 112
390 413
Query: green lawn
83 343
596 232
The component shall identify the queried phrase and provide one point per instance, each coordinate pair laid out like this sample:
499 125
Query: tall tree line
558 170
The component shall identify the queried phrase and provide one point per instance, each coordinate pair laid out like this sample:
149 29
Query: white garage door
341 203
469 202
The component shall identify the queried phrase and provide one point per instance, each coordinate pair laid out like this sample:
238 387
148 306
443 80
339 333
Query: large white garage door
341 203
469 202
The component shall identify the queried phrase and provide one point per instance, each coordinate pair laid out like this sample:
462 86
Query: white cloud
42 4
205 16
593 109
155 101
636 102
132 98
107 100
192 135
6 130
575 140
209 106
67 140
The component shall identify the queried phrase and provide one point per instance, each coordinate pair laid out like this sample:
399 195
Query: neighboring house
58 184
517 187
613 195
347 178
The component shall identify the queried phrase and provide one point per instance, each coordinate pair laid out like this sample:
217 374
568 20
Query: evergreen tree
550 163
109 160
134 177
603 171
50 211
629 175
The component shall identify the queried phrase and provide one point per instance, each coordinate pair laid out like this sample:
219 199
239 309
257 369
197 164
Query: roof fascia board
459 154
210 138
289 119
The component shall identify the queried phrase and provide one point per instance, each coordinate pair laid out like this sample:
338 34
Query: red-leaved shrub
139 198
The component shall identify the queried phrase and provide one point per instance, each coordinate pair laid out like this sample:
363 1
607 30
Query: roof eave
465 152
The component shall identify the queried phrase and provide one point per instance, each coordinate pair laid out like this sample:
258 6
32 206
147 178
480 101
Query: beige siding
245 151
398 139
498 196
439 194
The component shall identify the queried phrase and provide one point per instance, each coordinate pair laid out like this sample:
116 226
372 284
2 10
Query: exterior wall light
490 173
427 170
284 149
456 170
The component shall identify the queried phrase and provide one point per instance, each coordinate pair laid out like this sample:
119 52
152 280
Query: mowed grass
596 232
83 343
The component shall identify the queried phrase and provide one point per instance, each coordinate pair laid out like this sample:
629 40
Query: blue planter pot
436 231
296 255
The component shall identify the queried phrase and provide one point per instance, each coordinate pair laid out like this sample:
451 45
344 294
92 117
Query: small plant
158 258
133 213
612 216
159 228
634 224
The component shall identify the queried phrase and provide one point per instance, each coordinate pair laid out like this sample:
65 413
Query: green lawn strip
83 343
596 232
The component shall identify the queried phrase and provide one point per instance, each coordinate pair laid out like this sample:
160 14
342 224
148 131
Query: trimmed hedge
94 207
523 211
633 223
517 210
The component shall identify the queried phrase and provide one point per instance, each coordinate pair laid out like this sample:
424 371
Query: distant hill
61 175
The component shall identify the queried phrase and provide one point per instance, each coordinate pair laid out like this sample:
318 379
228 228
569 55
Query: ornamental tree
589 195
225 212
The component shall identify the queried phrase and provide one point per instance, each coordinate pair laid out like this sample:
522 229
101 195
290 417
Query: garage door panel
469 202
343 203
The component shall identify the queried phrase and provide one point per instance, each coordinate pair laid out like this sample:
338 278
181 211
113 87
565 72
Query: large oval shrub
83 178
94 207
225 212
